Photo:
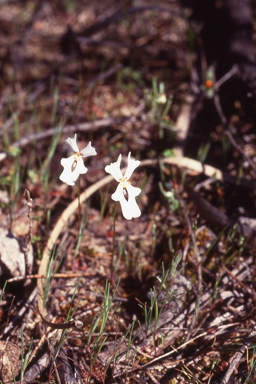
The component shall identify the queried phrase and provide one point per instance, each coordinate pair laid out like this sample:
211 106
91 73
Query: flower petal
130 208
133 191
119 196
72 143
133 206
114 169
80 167
67 176
132 164
73 167
88 150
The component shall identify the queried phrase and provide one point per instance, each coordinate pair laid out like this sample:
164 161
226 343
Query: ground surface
168 297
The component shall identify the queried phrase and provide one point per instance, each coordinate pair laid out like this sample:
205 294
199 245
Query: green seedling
128 79
103 201
252 369
83 224
69 317
12 183
159 105
170 196
55 105
45 167
122 251
53 257
100 319
24 359
2 293
203 151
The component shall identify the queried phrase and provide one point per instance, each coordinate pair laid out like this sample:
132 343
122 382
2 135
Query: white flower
129 206
74 165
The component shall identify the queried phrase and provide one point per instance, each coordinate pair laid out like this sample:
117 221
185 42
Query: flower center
77 156
123 181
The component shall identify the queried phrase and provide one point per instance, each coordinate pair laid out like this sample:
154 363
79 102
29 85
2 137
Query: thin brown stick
83 127
55 276
235 360
28 237
238 281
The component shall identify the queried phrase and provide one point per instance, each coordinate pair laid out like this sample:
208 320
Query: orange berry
208 83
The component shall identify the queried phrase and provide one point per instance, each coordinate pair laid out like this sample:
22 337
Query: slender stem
113 243
79 204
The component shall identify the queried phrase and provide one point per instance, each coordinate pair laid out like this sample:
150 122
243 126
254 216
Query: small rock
9 361
11 256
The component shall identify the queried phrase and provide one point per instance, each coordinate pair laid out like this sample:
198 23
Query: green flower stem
79 203
113 243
